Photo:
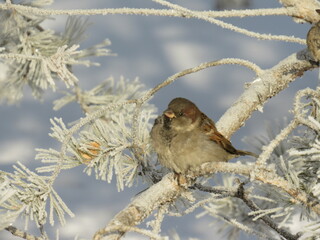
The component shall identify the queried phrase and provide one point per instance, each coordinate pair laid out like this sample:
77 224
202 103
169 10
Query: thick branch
167 190
270 83
16 232
303 9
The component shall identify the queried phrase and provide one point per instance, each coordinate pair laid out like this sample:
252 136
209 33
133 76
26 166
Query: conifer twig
19 233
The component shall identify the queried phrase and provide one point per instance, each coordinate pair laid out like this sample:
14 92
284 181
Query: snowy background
152 48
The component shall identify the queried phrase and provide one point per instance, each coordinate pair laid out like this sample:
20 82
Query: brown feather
210 129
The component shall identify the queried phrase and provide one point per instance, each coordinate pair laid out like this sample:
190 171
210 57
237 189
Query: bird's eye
180 114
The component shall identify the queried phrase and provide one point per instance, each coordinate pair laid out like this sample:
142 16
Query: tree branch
167 190
304 10
198 68
271 82
243 195
147 11
267 150
16 232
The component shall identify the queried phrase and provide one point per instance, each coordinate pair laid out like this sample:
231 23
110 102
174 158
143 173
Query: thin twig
122 228
22 234
190 13
243 195
300 111
217 193
159 216
237 224
247 12
200 67
267 150
146 12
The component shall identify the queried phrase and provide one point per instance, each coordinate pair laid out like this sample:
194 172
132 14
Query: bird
313 41
184 138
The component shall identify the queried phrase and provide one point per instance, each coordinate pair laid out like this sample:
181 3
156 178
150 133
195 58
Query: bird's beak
169 113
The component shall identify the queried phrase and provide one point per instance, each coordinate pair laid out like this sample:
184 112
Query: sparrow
184 138
313 41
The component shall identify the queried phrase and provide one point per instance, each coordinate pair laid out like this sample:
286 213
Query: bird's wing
209 128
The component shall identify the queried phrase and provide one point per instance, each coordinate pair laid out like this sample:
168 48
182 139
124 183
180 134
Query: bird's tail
244 153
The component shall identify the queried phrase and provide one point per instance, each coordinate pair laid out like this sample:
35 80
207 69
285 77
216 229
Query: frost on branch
109 91
305 153
25 192
111 144
38 57
9 210
115 154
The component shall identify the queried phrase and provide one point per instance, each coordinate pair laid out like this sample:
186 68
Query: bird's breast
191 149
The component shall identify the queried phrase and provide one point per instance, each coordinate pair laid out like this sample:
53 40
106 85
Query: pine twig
241 194
19 233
